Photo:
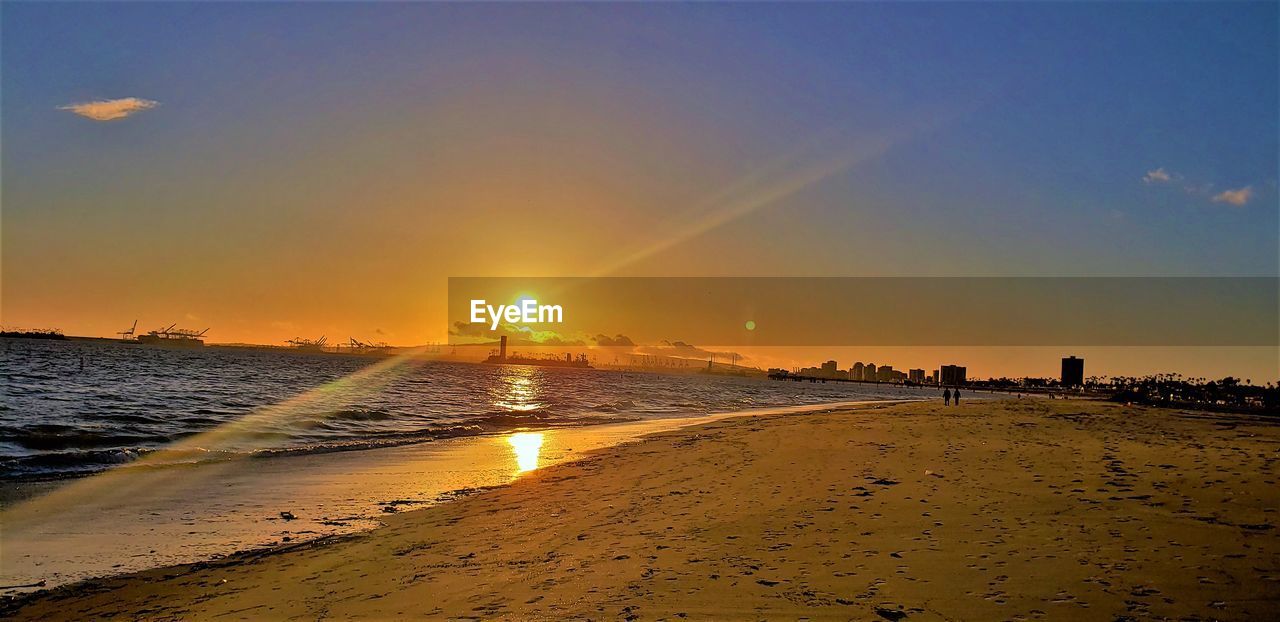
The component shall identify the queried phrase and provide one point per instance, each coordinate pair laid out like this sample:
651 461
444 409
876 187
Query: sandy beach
1013 509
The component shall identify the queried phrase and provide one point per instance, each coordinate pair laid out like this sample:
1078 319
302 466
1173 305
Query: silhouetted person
946 397
957 396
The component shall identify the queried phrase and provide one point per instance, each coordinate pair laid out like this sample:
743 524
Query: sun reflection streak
519 391
526 447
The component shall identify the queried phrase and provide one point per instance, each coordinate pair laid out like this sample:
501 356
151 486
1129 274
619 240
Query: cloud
1199 191
688 350
1234 197
1158 176
110 109
516 335
618 341
1239 196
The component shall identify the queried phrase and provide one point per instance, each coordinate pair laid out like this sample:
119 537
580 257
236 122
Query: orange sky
272 172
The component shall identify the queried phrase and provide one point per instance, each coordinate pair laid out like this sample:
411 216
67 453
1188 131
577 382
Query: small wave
128 418
68 463
508 418
362 414
52 437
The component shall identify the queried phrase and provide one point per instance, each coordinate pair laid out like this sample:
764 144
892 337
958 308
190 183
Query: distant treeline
1168 390
34 334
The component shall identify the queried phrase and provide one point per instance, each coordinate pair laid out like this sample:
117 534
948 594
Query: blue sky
643 139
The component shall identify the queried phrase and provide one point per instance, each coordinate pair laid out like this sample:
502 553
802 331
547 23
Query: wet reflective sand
136 518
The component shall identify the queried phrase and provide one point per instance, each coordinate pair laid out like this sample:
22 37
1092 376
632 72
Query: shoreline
1029 508
55 531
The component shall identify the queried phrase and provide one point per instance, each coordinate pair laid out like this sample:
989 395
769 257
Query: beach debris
889 613
390 509
287 515
880 481
39 583
1143 590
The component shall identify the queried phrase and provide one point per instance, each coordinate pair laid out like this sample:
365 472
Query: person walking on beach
957 396
946 397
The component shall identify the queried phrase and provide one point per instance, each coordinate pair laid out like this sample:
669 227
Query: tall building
884 373
869 372
829 369
916 375
952 375
1072 372
855 372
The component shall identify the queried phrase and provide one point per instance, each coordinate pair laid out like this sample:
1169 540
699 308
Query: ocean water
77 407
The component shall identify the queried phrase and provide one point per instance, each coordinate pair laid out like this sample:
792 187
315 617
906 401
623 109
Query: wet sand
142 517
1019 509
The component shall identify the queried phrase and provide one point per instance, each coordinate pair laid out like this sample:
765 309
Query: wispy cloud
1239 196
1202 190
1158 176
111 109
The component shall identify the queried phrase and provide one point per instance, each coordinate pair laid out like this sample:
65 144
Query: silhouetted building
855 372
502 348
916 375
952 375
869 372
1072 372
884 373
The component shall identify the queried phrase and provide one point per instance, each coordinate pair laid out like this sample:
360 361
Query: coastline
141 517
996 509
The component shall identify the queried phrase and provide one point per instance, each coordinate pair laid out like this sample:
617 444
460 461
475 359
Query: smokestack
502 348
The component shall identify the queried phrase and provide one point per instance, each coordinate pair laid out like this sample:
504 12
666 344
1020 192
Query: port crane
126 335
355 345
170 332
308 344
171 335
